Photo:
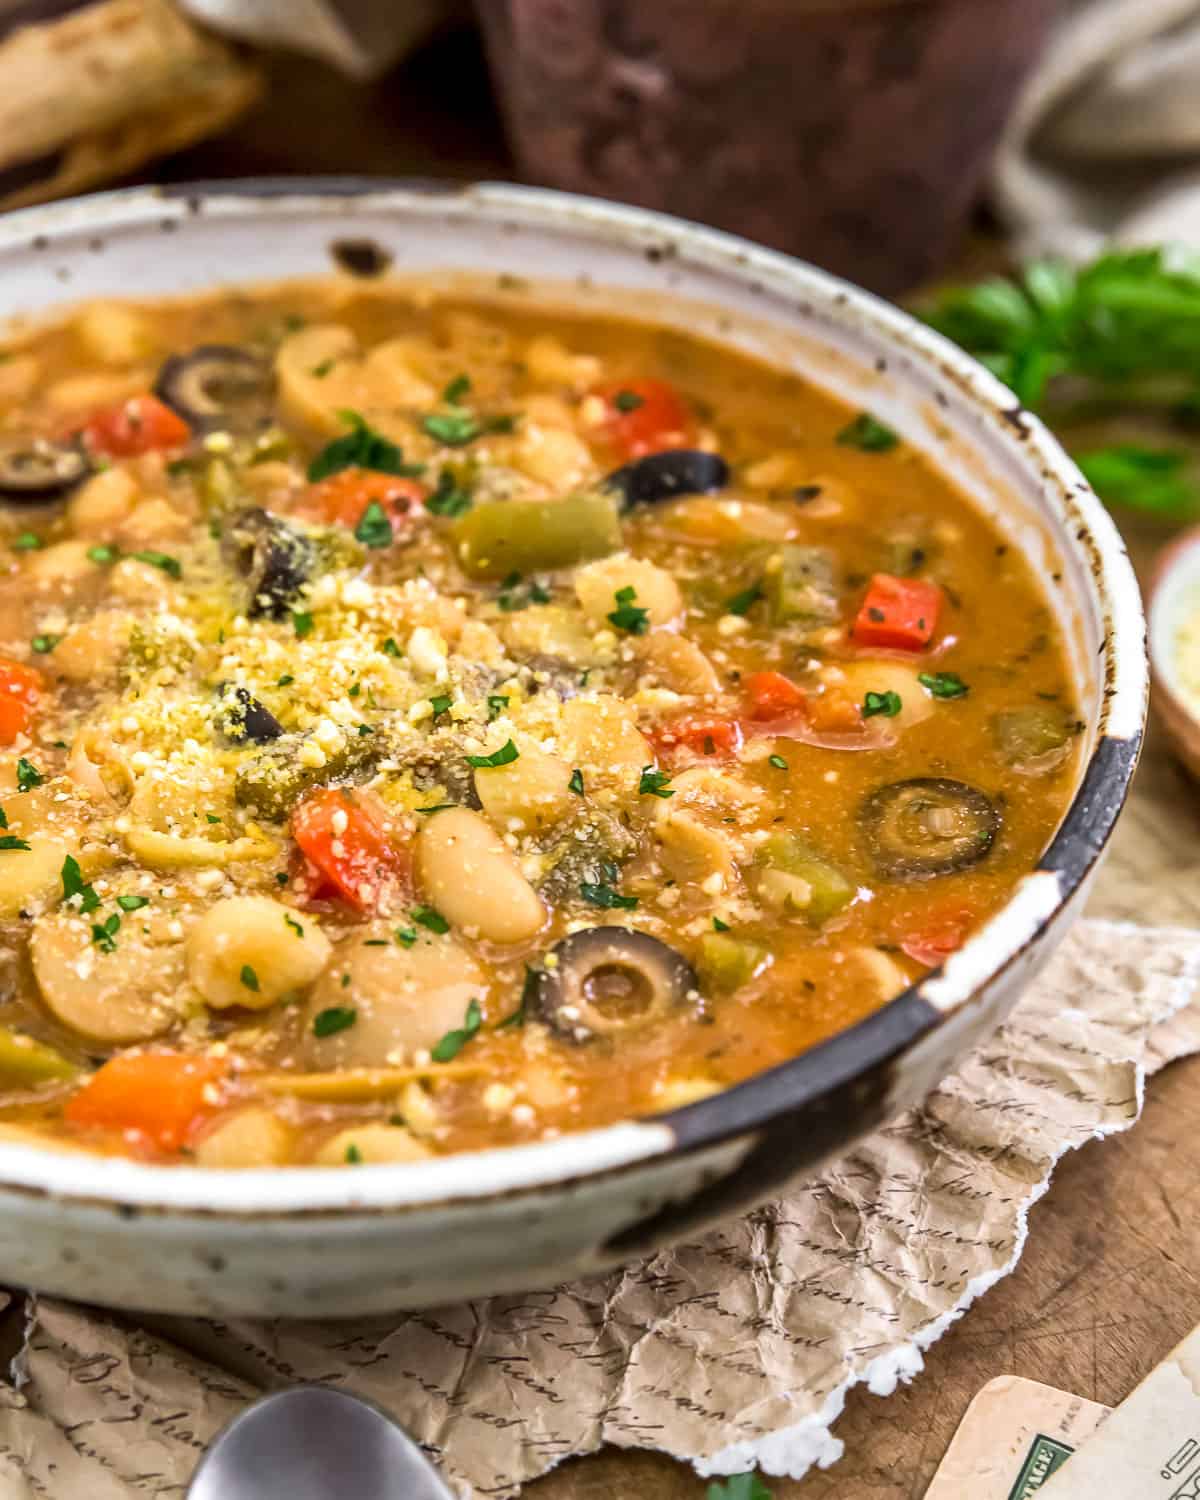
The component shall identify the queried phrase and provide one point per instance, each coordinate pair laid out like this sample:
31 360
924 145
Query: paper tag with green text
1015 1436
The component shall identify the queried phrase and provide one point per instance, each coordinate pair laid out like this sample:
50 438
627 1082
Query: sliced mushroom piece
928 826
244 719
1033 740
587 852
272 780
383 1001
33 470
610 981
117 993
275 558
664 476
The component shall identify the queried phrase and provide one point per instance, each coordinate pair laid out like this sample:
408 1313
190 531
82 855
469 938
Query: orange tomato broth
123 596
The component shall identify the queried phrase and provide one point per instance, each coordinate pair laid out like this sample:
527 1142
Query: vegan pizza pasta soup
428 724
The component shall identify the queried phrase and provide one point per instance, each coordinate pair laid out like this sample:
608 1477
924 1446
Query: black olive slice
36 469
244 719
664 476
610 981
274 557
215 386
928 826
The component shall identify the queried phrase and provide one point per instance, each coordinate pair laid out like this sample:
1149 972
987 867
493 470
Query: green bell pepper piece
832 892
726 963
501 537
24 1061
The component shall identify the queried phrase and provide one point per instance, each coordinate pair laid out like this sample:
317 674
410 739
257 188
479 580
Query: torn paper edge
792 1451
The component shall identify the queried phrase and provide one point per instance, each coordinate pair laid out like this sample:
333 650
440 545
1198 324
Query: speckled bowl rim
1039 899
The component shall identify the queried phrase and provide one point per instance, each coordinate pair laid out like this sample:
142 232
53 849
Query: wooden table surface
1110 1278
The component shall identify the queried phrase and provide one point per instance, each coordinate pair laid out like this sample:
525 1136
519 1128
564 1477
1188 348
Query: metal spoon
315 1443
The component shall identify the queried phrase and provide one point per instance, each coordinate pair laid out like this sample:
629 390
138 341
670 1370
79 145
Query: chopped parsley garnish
353 1155
302 622
629 616
374 529
286 680
868 434
3 818
211 818
365 729
389 648
654 783
28 775
450 499
778 762
103 552
628 401
943 684
430 918
528 990
132 903
319 372
437 807
294 925
576 782
454 1041
510 601
453 429
456 390
45 643
505 756
405 936
28 541
73 885
162 560
11 841
743 603
249 978
104 934
888 704
334 1019
719 926
603 895
361 448
497 703
440 704
739 1487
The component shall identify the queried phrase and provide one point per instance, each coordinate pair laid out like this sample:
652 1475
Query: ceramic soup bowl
308 1241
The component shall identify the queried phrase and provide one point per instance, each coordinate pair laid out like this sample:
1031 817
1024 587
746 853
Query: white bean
654 590
528 795
254 1137
251 951
364 1144
401 999
474 880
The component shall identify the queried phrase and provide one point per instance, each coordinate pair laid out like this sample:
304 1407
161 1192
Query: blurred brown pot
854 133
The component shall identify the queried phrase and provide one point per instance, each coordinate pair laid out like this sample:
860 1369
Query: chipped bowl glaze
321 1242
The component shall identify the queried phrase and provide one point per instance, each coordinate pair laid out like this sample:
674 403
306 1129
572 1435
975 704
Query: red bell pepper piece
933 944
143 424
342 841
771 695
697 734
900 613
342 499
645 416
